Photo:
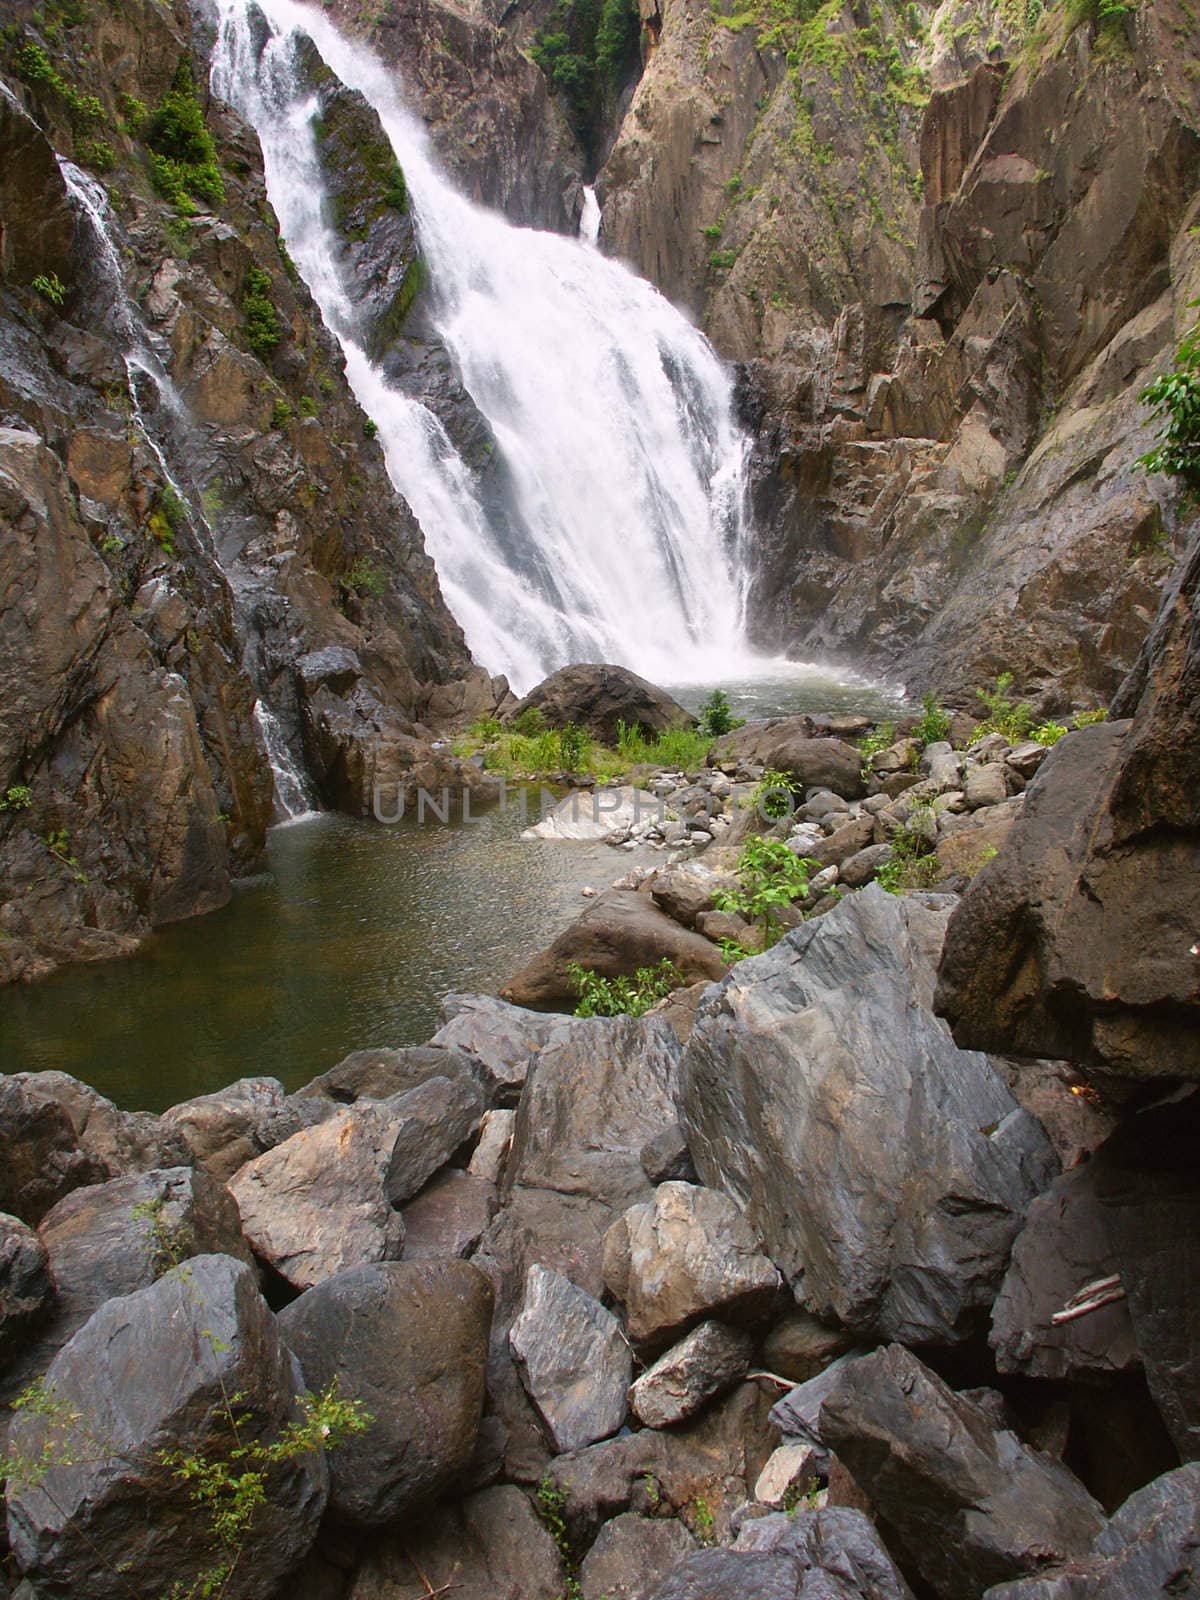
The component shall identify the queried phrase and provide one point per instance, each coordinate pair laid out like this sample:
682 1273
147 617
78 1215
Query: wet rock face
26 1287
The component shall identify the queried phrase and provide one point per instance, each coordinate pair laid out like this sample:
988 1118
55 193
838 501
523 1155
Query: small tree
769 876
1175 398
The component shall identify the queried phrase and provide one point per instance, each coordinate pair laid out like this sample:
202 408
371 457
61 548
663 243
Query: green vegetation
166 519
551 1503
183 157
773 796
263 332
365 577
16 798
36 69
1048 733
715 716
281 413
308 406
1088 719
585 51
701 1521
526 748
51 287
1013 720
881 737
679 749
933 725
623 996
96 154
1175 399
58 842
911 864
370 429
573 746
769 876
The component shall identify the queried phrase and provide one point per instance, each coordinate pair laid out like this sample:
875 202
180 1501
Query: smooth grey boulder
886 1171
317 1203
153 1372
26 1287
687 1254
972 1505
710 1360
409 1340
1148 1550
1063 1247
223 1130
573 1360
379 1073
630 1555
503 1039
837 1543
449 1216
432 1121
489 1546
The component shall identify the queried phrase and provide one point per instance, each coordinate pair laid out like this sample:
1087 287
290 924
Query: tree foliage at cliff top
585 53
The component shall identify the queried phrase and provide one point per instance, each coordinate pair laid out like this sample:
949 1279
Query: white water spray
612 412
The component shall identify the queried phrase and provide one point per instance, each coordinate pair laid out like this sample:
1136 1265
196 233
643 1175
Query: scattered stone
224 1130
431 1123
861 868
449 1216
495 1140
972 1506
573 1360
503 1039
317 1203
791 1471
710 1360
688 1254
985 786
685 892
409 1340
886 1171
1025 758
153 1371
630 1554
844 842
26 1287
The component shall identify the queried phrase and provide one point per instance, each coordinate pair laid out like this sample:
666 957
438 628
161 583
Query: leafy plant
370 429
703 1524
529 723
584 51
58 843
573 745
281 413
35 68
17 797
716 717
551 1503
1088 719
1011 719
769 876
366 577
96 154
910 864
51 287
773 796
622 995
933 724
263 332
183 157
881 737
1048 733
1175 399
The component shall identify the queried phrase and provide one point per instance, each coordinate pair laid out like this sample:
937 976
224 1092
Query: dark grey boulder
40 1156
838 1544
801 1346
666 1159
1149 1550
794 745
1063 1248
886 1171
686 1255
26 1287
224 1130
798 1414
630 1555
710 1360
408 1339
501 1039
972 1505
378 1074
599 697
489 1546
152 1372
449 1216
573 1360
432 1121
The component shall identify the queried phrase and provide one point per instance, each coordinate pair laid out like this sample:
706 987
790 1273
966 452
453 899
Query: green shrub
17 797
263 332
96 154
308 406
622 996
910 864
1048 733
34 67
715 716
281 413
529 723
769 876
1011 719
573 745
881 737
51 287
585 50
1088 719
366 577
370 429
1175 400
933 724
774 795
183 157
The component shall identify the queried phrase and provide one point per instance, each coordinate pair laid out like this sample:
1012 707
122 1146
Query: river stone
971 1505
1146 1551
379 1074
985 786
223 1130
1063 1246
800 1347
787 745
685 892
26 1287
792 1470
630 1555
599 697
153 1371
837 1552
432 1121
886 1171
573 1360
317 1203
449 1216
686 1255
710 1360
489 1546
503 1039
408 1339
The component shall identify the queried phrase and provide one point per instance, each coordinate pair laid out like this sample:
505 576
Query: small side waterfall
142 362
613 414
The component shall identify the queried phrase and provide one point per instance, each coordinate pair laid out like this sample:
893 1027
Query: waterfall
613 414
292 797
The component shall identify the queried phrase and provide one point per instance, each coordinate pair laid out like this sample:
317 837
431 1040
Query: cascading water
612 412
292 797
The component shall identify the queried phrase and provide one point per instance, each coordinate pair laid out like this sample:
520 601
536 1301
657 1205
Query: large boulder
971 1505
686 1256
317 1203
432 1121
489 1546
379 1073
710 1360
619 932
574 1360
408 1340
1147 1550
224 1130
1079 939
26 1287
886 1171
150 1374
503 1039
599 698
629 1556
794 746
